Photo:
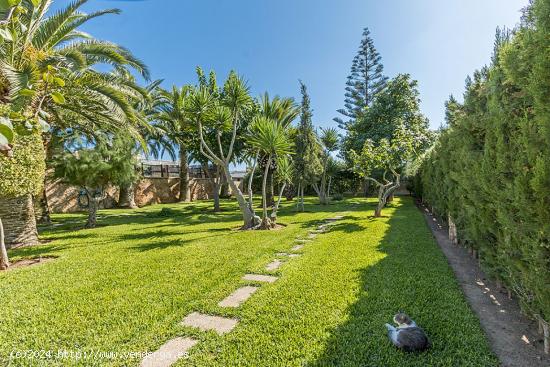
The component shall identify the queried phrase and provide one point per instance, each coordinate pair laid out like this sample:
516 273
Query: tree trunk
266 223
185 193
216 187
298 196
250 181
19 221
546 332
45 212
328 189
271 191
93 204
302 197
4 260
277 204
224 188
126 198
249 219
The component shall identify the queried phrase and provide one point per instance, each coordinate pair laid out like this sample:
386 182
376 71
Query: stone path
274 265
260 278
169 353
177 348
219 324
238 297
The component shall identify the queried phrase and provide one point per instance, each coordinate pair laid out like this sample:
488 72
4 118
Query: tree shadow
174 242
412 276
32 252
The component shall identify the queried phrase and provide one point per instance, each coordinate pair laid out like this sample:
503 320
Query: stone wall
63 198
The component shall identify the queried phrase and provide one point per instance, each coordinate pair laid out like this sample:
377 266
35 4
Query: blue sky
274 43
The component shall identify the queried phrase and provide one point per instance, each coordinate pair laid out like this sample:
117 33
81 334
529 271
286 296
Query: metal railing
171 171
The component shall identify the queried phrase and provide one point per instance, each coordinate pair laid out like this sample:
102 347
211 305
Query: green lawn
125 287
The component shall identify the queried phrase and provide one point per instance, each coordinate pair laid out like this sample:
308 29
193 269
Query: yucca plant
272 140
235 98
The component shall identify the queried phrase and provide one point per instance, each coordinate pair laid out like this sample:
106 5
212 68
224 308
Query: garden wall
63 198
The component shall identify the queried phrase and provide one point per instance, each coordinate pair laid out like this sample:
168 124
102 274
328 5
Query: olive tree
388 156
95 169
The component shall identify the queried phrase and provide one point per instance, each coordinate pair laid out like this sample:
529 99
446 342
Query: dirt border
512 336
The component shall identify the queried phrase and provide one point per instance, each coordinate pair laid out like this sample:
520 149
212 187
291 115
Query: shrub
490 169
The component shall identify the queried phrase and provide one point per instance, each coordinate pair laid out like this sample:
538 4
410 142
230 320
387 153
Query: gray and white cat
407 335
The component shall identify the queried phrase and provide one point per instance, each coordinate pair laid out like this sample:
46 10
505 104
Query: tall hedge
490 168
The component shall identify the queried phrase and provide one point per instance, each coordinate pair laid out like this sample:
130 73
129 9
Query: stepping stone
274 265
336 217
281 254
297 247
219 324
260 278
303 240
294 255
322 227
238 297
312 235
169 353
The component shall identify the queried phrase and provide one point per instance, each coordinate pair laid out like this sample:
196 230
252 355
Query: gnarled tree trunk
45 213
250 220
185 193
19 221
93 206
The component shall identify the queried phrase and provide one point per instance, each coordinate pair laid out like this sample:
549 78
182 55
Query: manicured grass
125 287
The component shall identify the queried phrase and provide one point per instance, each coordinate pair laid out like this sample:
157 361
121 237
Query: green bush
23 173
490 169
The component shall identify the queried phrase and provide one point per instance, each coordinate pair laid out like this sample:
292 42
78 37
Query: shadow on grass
31 252
415 278
165 243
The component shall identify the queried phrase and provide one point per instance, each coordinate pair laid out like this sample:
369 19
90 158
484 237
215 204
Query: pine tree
308 150
365 81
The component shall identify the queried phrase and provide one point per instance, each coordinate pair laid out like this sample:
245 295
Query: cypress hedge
490 168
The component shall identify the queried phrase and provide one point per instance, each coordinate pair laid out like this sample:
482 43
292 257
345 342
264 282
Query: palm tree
47 78
272 140
174 120
284 111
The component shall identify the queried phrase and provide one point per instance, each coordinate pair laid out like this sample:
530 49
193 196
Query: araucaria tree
365 81
307 162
